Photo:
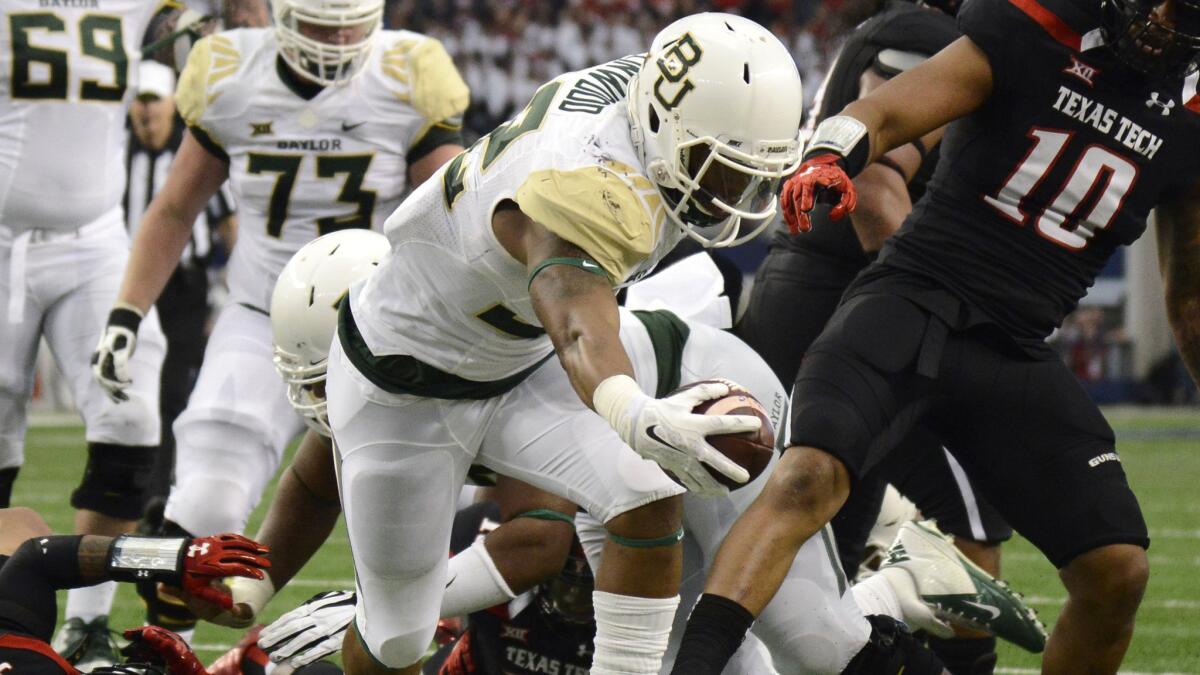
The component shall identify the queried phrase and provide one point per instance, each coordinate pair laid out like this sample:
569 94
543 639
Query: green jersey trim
403 374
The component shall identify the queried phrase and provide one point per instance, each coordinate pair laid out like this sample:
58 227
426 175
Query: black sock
714 632
966 657
7 478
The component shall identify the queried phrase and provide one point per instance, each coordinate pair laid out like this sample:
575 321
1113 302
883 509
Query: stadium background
1118 343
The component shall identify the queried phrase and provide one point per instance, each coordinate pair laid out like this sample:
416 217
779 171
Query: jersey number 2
1100 178
288 167
41 73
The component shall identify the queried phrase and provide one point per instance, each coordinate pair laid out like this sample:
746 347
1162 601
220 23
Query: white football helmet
715 113
304 311
327 40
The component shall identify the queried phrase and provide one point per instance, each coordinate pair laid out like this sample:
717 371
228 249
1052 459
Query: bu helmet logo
673 67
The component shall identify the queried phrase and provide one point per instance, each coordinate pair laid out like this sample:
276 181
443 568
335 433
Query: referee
183 307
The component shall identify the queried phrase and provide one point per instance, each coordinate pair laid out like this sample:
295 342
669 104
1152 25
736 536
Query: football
751 450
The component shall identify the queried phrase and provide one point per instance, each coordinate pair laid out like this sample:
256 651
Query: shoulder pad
610 211
212 60
425 76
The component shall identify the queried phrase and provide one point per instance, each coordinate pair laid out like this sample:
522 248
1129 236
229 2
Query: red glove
818 179
221 555
171 648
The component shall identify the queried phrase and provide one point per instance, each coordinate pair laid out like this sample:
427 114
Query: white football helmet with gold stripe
715 113
327 41
304 311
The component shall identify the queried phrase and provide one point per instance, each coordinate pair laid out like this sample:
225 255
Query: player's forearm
1184 315
579 313
882 205
304 511
947 86
159 243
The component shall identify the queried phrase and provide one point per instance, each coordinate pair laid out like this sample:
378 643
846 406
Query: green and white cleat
87 646
940 588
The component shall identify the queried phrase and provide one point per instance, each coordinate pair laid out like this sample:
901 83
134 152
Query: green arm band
547 514
669 540
584 264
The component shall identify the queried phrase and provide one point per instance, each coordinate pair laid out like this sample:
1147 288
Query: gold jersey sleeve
211 60
604 210
429 81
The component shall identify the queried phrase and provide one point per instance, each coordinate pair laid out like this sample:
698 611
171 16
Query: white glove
666 430
110 361
311 631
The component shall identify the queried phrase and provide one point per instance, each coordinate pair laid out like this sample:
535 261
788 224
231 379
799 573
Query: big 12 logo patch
673 67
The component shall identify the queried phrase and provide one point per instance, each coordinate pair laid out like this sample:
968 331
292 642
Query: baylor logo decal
674 66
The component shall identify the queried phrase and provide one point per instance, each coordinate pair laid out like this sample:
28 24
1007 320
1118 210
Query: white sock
89 602
631 633
473 583
875 595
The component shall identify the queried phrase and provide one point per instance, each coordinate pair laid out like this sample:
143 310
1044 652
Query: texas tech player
799 284
1076 120
319 124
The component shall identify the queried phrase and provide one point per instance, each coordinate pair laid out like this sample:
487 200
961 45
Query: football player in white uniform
69 75
507 258
814 626
320 124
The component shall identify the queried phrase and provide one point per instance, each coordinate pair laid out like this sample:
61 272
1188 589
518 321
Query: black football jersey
1061 166
901 27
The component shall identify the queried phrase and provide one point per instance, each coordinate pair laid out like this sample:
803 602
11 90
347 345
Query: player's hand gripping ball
751 450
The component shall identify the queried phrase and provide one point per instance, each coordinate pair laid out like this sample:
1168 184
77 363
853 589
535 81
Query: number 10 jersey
1060 167
305 161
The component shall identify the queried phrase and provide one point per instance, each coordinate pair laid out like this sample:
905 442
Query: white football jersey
449 294
300 167
69 71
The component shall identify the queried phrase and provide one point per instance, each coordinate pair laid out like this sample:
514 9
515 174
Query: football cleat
87 646
938 587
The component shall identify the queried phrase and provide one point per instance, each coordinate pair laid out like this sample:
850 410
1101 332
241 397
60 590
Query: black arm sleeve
29 579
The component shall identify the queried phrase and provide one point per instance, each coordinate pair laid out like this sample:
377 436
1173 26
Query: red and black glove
819 179
221 555
155 643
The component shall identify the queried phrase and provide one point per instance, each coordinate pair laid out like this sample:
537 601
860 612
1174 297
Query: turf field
1160 450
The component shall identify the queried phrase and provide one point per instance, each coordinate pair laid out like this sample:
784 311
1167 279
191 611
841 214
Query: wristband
133 558
125 315
844 136
618 399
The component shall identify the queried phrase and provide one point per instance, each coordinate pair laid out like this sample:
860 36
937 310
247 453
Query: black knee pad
116 481
892 650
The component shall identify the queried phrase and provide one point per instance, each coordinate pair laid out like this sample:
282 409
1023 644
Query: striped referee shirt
146 171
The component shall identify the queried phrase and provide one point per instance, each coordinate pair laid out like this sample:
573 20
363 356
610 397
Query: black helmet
1159 38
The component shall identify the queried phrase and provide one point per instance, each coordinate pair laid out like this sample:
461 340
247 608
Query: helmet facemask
327 42
305 388
1158 39
717 186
